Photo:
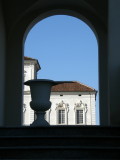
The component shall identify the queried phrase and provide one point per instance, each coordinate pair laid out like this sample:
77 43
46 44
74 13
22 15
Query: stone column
2 66
114 60
103 80
13 78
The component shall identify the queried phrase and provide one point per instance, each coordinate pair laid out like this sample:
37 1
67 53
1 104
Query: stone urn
40 95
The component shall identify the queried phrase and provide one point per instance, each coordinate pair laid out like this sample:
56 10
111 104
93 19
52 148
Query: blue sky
66 49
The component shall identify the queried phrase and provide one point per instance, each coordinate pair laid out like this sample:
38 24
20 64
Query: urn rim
35 81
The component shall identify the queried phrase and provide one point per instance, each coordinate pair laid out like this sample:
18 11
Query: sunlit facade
73 103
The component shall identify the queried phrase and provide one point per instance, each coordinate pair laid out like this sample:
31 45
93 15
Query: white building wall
69 98
29 73
93 109
26 113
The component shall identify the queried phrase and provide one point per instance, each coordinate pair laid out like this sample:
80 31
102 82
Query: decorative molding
81 105
62 105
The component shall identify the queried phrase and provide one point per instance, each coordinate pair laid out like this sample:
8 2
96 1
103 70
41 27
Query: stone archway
15 42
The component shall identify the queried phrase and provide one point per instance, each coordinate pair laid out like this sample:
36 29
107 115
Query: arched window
62 113
80 113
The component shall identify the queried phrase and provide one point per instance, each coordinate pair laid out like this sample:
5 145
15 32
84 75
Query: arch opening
67 57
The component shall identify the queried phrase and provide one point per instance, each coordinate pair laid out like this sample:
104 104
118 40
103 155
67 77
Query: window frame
62 106
83 117
62 118
83 107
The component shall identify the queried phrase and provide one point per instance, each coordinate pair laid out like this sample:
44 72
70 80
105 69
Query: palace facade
73 103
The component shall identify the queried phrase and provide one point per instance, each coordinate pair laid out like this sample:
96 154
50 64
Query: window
79 116
61 116
62 113
80 113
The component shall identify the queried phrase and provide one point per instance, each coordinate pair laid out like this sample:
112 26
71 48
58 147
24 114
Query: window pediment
62 105
81 105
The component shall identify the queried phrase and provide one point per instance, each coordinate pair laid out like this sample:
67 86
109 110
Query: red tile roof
73 86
